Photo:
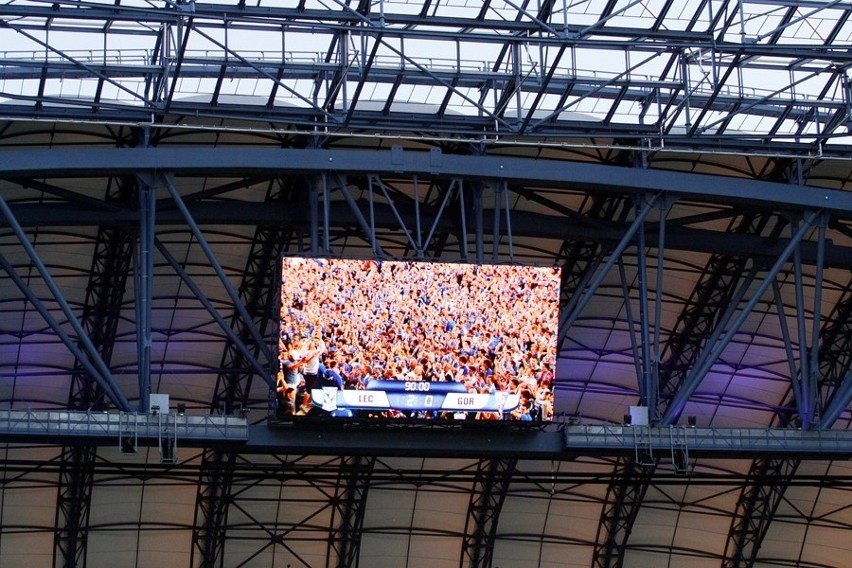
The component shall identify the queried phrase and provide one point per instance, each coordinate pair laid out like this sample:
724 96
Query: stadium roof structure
687 164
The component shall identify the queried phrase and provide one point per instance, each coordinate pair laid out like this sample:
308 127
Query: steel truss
757 504
257 476
331 508
252 470
483 515
211 510
351 505
399 204
101 311
233 388
398 129
72 505
261 535
424 205
696 325
671 79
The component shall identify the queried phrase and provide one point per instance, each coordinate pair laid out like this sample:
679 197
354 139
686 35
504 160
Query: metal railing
39 423
652 440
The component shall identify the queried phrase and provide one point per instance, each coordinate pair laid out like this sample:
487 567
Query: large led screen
416 340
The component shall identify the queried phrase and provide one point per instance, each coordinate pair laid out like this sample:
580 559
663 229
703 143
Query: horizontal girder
556 441
87 163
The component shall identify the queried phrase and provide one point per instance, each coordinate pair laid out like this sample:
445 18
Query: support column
351 504
144 274
489 493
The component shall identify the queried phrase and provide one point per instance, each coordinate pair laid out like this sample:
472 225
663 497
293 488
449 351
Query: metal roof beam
91 162
261 370
64 337
89 355
523 225
839 402
226 283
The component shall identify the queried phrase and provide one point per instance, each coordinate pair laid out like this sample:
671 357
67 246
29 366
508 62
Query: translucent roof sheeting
686 165
654 72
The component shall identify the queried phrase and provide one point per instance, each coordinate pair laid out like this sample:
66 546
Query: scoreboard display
415 396
416 340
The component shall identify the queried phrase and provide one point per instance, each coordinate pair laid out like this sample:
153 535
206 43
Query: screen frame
360 418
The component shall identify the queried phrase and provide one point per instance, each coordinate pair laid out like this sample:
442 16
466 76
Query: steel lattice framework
685 163
718 74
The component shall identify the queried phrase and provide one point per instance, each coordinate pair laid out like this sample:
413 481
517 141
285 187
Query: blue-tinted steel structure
685 164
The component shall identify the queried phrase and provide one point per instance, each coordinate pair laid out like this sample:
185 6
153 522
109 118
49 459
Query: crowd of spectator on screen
348 322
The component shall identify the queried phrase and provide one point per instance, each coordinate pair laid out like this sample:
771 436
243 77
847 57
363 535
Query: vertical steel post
419 236
313 212
506 207
145 289
818 282
631 323
801 328
645 389
326 214
795 382
654 383
477 219
495 237
373 244
462 212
